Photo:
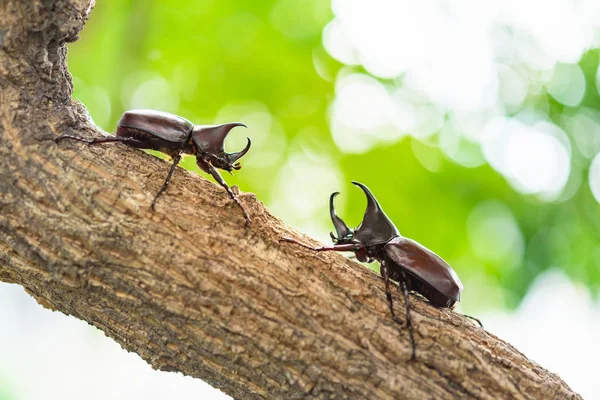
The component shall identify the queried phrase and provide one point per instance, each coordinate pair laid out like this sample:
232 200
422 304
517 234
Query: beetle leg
176 160
337 247
109 139
386 279
409 321
212 170
473 318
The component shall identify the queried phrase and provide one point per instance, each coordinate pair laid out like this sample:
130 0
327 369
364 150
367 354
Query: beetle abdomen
153 142
425 265
166 126
434 296
414 283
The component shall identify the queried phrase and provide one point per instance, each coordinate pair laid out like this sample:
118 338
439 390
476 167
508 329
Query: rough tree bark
187 287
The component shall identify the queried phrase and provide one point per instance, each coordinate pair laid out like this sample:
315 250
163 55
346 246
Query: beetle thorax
375 252
370 253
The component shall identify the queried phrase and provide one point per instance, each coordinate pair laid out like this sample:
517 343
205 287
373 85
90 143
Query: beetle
412 265
175 136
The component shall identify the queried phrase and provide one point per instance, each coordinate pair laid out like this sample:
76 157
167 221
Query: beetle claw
333 238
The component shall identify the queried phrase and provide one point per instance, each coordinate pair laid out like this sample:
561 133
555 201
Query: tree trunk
188 287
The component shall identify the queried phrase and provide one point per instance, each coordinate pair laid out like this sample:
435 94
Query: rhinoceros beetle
175 136
403 260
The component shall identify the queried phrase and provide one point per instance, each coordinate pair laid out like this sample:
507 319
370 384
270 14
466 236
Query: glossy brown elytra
175 136
413 266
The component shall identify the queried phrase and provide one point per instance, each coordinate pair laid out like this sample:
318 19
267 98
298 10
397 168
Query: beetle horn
233 157
376 227
210 138
340 227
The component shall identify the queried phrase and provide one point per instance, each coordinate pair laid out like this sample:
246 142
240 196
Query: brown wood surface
189 288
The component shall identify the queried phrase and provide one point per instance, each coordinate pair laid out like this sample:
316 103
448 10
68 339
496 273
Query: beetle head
376 227
209 140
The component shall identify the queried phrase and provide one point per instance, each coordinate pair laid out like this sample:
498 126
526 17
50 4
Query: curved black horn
340 227
372 203
233 157
210 138
376 227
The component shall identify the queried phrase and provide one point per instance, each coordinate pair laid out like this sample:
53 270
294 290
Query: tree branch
187 287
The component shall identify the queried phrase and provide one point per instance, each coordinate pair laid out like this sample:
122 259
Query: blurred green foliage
212 61
4 391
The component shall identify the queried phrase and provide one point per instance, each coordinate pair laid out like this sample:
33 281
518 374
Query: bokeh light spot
494 234
298 23
513 87
97 100
265 131
429 156
567 84
535 159
301 190
155 93
362 107
338 45
459 149
585 128
594 177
